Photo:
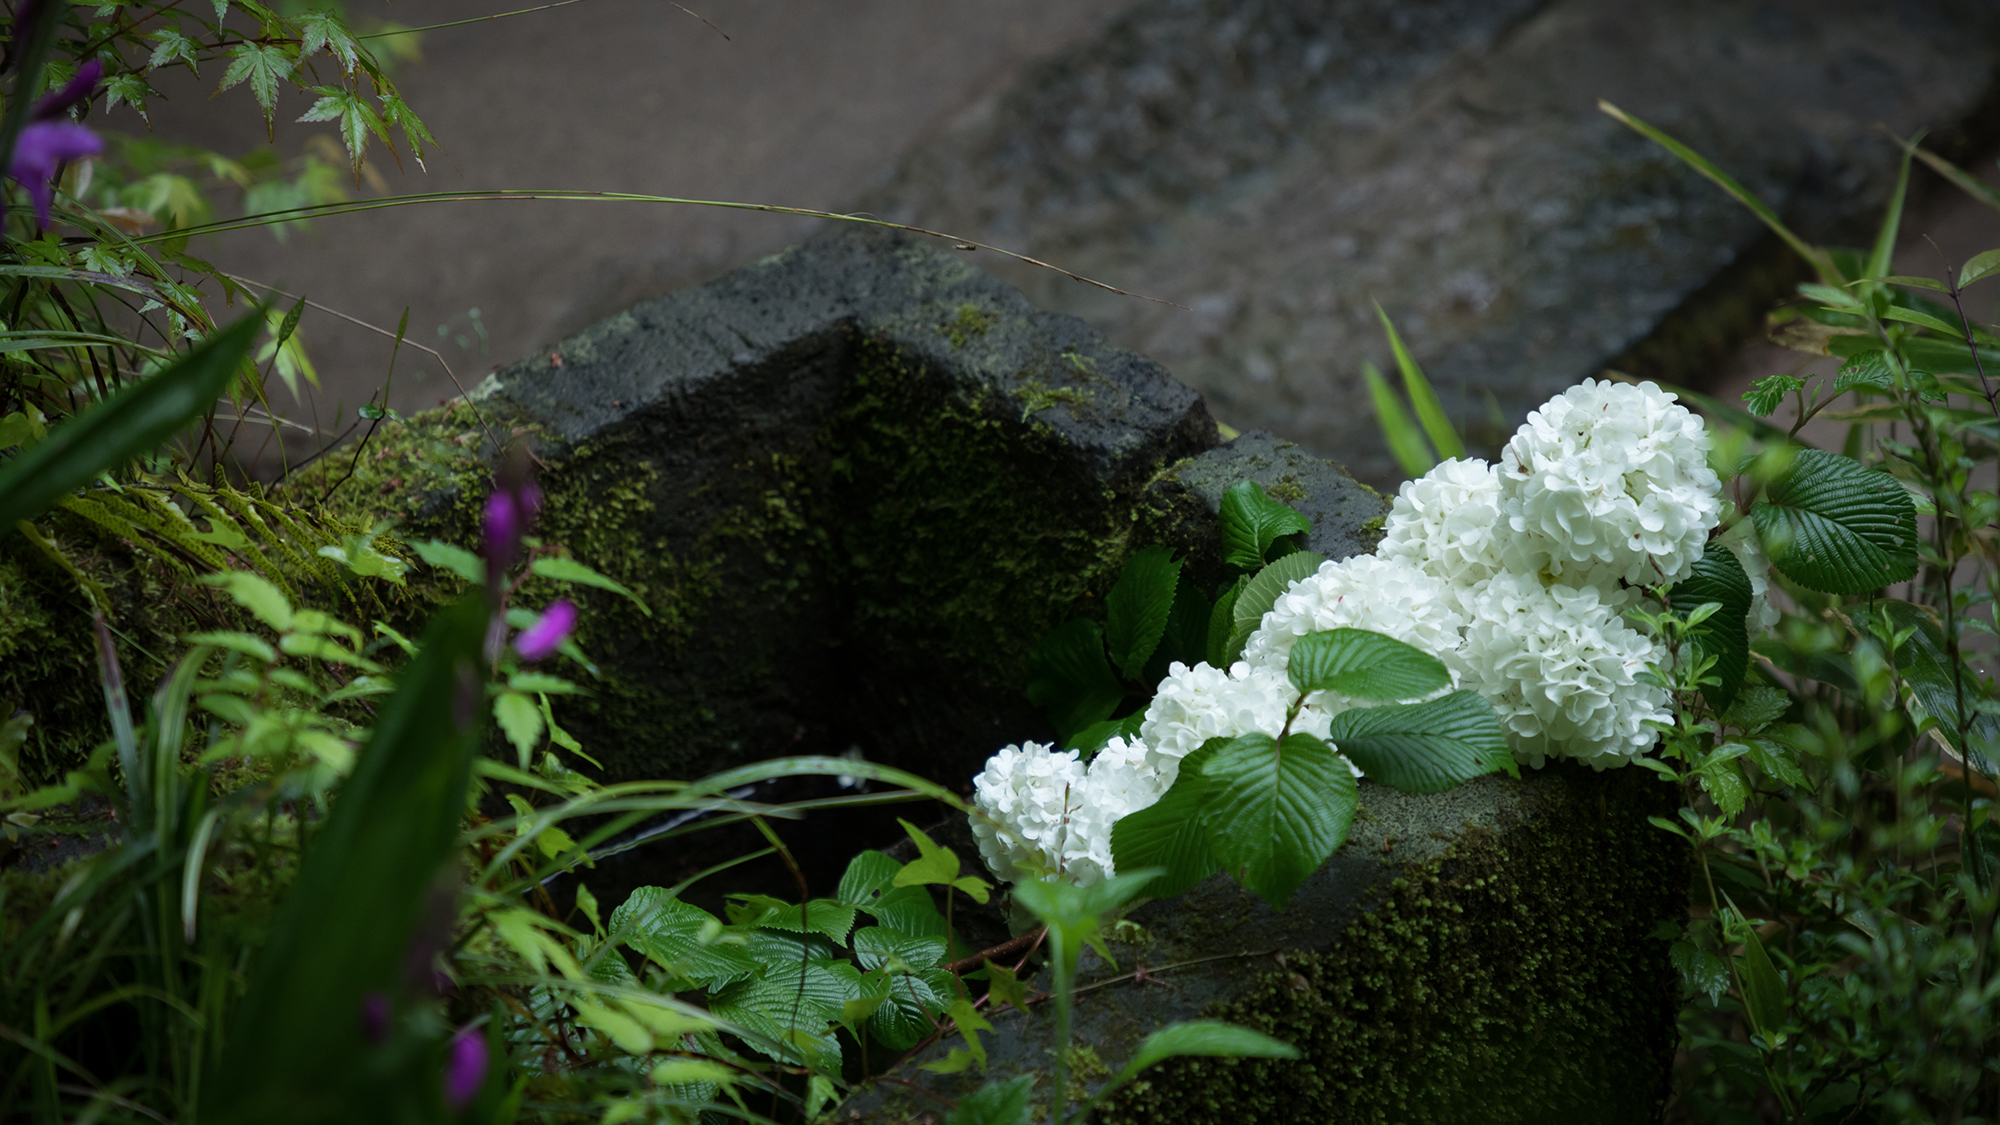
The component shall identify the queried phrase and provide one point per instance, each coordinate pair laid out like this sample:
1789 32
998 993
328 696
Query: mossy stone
1487 954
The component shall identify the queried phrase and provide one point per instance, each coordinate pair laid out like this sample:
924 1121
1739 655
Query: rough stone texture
854 482
1276 164
1481 955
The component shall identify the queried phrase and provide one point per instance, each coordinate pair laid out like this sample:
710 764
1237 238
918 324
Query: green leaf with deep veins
1252 521
1276 810
1425 747
1718 577
1364 665
1138 607
1069 678
1170 833
1260 594
1835 526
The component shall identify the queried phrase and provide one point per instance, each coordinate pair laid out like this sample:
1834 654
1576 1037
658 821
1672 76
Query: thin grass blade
1444 437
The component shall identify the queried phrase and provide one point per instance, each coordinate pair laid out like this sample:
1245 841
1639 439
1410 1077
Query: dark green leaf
868 875
915 999
909 910
1703 971
1276 811
1088 741
569 570
1763 989
819 916
1169 834
1834 526
1263 592
875 946
1069 678
1186 638
1926 667
1779 761
263 67
1865 369
1979 267
1138 607
1718 577
679 938
1723 779
1770 392
1424 747
1222 623
131 423
1756 706
996 1103
1207 1038
1252 522
361 893
1364 665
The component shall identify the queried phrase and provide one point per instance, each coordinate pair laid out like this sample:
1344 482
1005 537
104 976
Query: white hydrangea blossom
1394 597
1193 705
1742 542
1448 523
1034 798
1121 782
1609 480
1561 669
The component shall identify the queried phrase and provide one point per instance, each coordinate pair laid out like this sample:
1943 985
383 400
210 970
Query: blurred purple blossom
42 148
540 640
510 512
375 1017
77 89
45 144
464 1068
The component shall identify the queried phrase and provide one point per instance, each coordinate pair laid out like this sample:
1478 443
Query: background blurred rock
1272 165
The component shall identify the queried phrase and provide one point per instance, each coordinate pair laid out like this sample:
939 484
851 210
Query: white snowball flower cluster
1392 596
1609 479
1515 575
1743 543
1561 668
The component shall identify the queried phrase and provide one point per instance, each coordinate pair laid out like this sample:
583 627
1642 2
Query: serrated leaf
1069 678
245 643
319 30
876 946
935 864
868 875
1138 606
1170 833
569 570
1979 267
1364 665
909 1014
356 118
263 67
1424 747
1723 779
819 916
1778 761
458 560
1865 369
1834 526
1757 706
1718 577
171 45
1006 988
1252 521
671 934
521 720
1275 810
996 1103
1770 392
1703 971
1926 667
1261 593
909 910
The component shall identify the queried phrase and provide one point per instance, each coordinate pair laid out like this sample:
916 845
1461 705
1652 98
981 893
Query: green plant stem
1064 972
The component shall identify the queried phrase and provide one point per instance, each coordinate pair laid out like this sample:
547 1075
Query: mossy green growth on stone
970 324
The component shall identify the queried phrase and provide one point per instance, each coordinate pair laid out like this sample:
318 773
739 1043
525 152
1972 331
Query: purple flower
41 148
45 144
540 640
375 1017
510 512
464 1068
76 90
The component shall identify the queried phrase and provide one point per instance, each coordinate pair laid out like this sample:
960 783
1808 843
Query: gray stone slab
1276 165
